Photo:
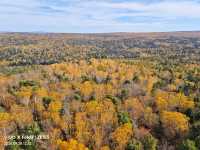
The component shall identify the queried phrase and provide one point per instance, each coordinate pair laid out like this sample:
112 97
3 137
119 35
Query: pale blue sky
86 16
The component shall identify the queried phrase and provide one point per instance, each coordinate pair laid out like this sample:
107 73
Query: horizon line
134 32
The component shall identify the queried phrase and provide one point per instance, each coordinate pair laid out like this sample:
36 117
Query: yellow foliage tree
22 115
24 92
150 119
150 82
5 118
172 101
105 148
71 145
56 95
134 107
174 123
41 92
55 106
54 109
184 102
161 104
82 133
93 107
86 89
122 134
93 124
24 95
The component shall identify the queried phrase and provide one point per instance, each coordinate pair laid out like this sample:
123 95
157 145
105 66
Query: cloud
174 8
99 16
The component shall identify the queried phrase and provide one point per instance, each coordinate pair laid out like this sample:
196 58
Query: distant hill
47 48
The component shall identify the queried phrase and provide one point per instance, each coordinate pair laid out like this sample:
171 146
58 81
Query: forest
117 91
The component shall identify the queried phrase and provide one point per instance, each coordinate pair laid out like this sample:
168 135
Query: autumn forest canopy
117 91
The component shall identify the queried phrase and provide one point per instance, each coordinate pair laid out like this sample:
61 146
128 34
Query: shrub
62 77
149 142
123 117
46 101
135 78
27 83
2 109
187 145
77 97
134 145
195 129
124 94
85 78
197 141
114 99
158 85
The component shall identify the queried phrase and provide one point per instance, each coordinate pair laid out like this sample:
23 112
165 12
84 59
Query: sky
99 16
